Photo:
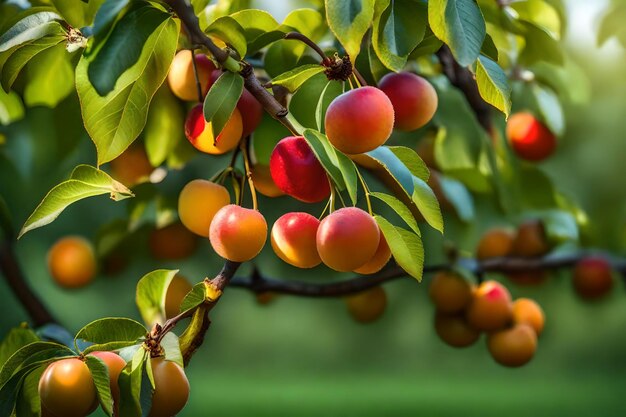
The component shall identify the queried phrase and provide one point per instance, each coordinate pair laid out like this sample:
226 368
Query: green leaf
28 403
171 347
14 340
387 159
458 195
560 226
259 28
400 208
123 46
412 161
428 46
540 46
194 298
11 387
399 26
11 107
130 382
85 181
541 13
406 247
310 102
50 77
30 28
100 374
106 15
493 84
163 127
489 48
221 100
460 24
292 80
549 108
114 121
349 20
425 199
78 13
110 333
151 292
612 24
30 354
324 152
227 29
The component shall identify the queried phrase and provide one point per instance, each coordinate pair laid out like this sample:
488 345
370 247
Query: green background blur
305 357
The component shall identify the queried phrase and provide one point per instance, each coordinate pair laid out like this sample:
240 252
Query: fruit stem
302 38
359 77
324 211
331 200
366 190
246 161
197 77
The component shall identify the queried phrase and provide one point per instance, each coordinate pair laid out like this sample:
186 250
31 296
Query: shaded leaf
111 333
221 100
100 374
493 84
400 208
349 20
151 292
427 203
406 247
292 80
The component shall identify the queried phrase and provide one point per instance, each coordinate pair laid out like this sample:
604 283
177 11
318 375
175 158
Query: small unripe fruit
530 240
263 182
379 260
413 98
495 243
176 292
450 292
171 242
182 80
198 202
238 234
359 120
491 307
367 306
72 262
251 112
592 278
529 138
454 330
200 133
132 166
115 364
347 239
513 347
293 239
171 388
527 311
66 388
297 172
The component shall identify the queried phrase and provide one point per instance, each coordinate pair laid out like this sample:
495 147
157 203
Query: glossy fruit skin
530 139
198 202
66 388
238 234
72 262
293 239
297 172
530 240
132 166
176 292
527 311
347 239
379 260
181 78
454 330
251 112
450 292
413 98
200 134
513 347
263 182
359 120
171 388
592 278
495 243
172 242
491 307
367 306
115 364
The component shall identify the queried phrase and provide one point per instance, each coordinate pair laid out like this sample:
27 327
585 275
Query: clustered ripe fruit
530 139
132 166
72 262
592 278
463 311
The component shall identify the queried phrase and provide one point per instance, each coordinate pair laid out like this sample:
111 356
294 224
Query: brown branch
304 39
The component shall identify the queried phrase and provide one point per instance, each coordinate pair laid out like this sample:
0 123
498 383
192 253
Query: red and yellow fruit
182 80
293 239
413 98
379 260
172 242
263 182
491 307
200 133
66 388
132 166
367 306
171 388
514 346
72 262
529 138
495 243
251 112
198 202
450 292
592 278
237 233
527 311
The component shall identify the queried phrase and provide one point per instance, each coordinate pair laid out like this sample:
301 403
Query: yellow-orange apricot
529 312
379 260
200 133
513 347
198 202
450 292
495 243
293 239
182 80
176 292
72 262
263 181
491 307
173 241
132 166
347 239
592 278
454 330
238 234
368 305
171 388
66 388
414 99
115 364
530 240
